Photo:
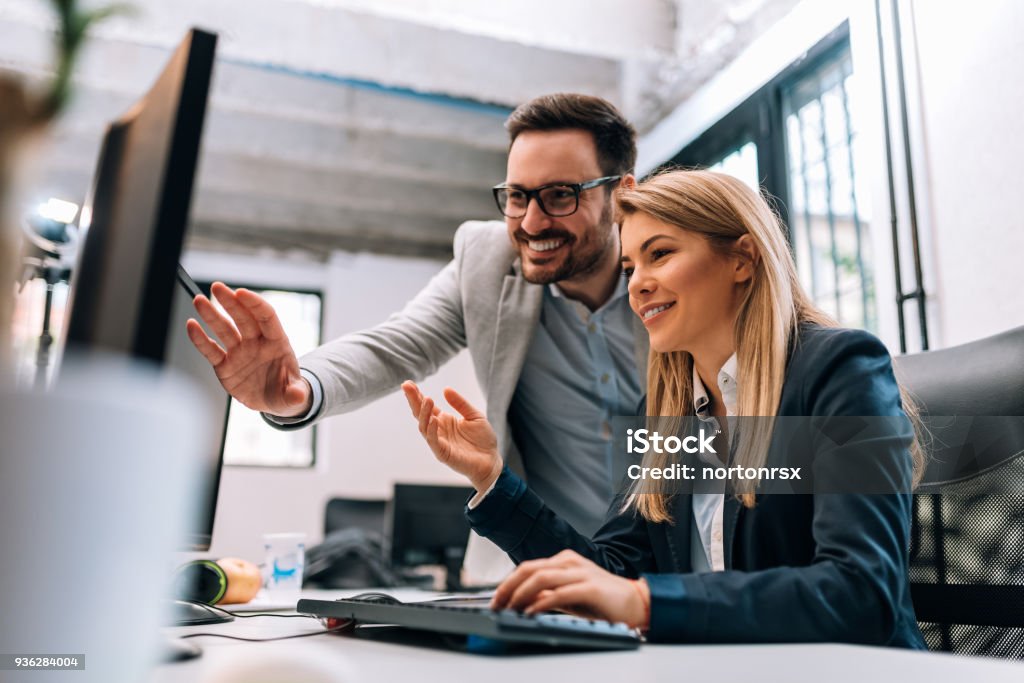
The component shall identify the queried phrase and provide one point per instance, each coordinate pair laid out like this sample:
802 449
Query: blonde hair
723 209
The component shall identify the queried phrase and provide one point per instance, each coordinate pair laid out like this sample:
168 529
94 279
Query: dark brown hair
614 137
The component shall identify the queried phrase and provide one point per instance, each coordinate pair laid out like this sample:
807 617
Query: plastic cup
285 559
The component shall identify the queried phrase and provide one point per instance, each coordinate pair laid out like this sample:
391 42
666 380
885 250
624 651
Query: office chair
368 515
353 553
967 542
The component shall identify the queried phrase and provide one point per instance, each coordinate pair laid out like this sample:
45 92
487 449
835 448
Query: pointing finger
218 322
213 353
247 325
263 313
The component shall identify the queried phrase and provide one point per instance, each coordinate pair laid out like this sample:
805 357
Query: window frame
759 119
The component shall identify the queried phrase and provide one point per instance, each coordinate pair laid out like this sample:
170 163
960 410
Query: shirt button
606 430
605 378
591 327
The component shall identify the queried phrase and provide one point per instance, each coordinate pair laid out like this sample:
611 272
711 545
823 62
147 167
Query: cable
342 625
335 629
240 615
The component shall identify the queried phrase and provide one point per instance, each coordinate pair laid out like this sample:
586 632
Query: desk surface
345 659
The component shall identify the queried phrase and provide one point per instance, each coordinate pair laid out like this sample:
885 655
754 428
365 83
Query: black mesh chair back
967 545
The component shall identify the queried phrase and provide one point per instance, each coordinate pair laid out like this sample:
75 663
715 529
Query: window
827 216
796 141
249 440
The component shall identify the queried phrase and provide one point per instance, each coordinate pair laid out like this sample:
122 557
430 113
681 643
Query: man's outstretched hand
254 360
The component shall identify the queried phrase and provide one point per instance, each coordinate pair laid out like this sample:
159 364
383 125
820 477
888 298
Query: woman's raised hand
464 442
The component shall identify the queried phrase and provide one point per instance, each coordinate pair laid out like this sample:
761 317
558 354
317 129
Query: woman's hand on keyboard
570 582
464 442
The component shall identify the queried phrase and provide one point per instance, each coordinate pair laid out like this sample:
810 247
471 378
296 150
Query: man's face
569 247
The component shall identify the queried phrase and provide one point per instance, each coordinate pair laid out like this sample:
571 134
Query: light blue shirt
580 372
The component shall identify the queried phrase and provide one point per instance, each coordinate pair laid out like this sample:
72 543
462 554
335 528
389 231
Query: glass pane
810 131
829 218
835 120
740 163
841 184
250 441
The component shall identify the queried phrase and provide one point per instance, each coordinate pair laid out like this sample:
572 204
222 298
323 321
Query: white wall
360 454
971 71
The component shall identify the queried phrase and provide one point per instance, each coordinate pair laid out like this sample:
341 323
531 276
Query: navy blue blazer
798 568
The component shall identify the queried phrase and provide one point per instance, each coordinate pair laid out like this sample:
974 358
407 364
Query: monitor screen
124 296
429 526
182 356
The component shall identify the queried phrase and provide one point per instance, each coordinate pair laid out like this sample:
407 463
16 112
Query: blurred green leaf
74 24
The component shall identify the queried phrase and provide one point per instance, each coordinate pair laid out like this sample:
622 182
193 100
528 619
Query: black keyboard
554 630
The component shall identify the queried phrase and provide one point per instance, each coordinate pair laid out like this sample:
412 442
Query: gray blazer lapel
517 316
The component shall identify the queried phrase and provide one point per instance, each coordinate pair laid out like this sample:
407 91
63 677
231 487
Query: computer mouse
345 626
338 625
378 598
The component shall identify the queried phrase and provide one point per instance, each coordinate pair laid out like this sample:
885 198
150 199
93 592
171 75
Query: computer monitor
135 219
124 296
429 526
183 357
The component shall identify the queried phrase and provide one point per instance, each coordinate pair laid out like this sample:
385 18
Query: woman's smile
652 312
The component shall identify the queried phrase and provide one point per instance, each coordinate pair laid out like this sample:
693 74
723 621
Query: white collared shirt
707 547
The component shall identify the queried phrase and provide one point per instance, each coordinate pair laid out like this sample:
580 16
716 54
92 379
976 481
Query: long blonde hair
723 209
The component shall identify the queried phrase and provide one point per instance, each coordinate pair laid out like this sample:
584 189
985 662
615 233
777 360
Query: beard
581 256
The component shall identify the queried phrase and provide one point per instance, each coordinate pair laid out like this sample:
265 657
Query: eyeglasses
556 200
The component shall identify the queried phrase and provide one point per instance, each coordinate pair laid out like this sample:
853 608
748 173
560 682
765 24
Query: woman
732 333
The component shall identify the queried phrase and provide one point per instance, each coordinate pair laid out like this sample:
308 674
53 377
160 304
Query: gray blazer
479 301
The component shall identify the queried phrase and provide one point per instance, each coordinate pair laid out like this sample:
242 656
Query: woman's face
686 294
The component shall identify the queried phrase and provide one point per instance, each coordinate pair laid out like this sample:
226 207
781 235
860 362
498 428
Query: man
539 302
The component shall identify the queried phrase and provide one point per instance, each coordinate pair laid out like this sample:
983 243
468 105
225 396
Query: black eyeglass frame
535 194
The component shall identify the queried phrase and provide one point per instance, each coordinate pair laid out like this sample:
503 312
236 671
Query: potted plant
26 114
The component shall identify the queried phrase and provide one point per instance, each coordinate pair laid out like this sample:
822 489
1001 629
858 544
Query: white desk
356 659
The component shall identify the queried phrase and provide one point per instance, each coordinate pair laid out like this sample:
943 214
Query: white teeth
546 245
656 310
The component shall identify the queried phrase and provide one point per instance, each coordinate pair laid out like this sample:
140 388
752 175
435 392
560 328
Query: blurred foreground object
96 479
25 117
